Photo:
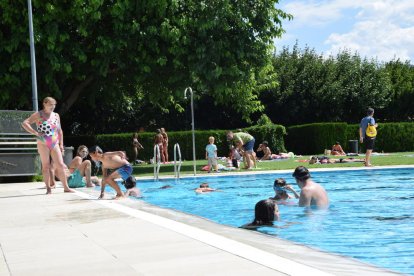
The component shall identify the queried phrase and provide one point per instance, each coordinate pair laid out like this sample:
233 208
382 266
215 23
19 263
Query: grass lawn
399 158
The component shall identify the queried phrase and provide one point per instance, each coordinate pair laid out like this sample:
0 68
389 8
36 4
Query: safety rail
177 168
157 161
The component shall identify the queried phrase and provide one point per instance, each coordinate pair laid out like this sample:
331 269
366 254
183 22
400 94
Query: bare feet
69 190
48 190
90 185
52 186
118 197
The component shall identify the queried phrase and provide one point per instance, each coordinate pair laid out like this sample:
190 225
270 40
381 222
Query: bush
314 138
123 141
395 137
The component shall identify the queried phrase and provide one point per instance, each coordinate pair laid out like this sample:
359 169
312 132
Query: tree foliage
401 75
317 89
103 52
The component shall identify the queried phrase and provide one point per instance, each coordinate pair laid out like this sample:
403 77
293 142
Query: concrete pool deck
75 234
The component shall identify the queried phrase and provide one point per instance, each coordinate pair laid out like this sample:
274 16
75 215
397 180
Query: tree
401 75
314 88
106 51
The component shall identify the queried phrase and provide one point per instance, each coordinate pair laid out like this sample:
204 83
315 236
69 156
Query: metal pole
192 124
32 57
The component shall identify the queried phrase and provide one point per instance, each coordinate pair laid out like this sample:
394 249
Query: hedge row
314 138
302 139
109 142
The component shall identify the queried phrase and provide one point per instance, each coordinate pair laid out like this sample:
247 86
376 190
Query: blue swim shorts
125 171
249 145
75 180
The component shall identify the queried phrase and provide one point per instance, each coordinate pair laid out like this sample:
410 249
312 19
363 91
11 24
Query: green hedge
123 141
302 139
314 138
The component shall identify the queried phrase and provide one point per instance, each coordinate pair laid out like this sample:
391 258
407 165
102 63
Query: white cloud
316 13
375 39
382 29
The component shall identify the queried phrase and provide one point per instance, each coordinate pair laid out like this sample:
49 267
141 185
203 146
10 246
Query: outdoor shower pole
32 57
192 123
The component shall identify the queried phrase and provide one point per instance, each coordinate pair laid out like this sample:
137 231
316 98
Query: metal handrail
177 168
157 161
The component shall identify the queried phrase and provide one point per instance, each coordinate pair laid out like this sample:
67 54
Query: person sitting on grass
267 153
117 163
337 150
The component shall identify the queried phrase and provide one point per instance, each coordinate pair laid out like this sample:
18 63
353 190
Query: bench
18 149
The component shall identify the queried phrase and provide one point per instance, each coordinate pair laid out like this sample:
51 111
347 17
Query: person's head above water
279 188
204 185
265 212
130 182
301 173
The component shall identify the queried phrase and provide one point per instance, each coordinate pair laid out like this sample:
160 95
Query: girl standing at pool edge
49 136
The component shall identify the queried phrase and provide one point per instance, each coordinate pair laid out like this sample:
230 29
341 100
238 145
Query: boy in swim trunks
117 163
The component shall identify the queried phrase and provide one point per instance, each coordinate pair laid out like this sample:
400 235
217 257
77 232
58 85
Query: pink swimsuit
50 129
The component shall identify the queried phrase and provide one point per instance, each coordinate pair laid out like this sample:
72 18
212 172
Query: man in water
311 194
114 161
204 188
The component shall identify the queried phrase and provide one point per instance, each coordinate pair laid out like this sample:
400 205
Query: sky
379 29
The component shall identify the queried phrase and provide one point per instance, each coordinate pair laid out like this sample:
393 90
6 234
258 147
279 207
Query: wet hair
95 149
370 111
204 185
301 173
130 182
280 182
264 212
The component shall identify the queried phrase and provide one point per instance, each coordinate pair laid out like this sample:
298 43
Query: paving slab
75 234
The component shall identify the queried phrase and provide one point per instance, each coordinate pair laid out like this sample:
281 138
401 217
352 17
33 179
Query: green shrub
395 137
264 120
274 134
315 138
123 141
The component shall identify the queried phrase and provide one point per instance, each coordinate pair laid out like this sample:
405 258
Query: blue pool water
370 218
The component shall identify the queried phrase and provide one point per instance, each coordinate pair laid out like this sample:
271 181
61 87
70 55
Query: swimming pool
370 217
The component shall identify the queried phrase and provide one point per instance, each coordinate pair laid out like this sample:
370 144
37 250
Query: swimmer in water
204 188
281 187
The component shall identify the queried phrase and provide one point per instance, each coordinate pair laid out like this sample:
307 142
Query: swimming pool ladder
177 167
157 161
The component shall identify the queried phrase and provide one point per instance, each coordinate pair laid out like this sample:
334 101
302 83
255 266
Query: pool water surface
370 217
